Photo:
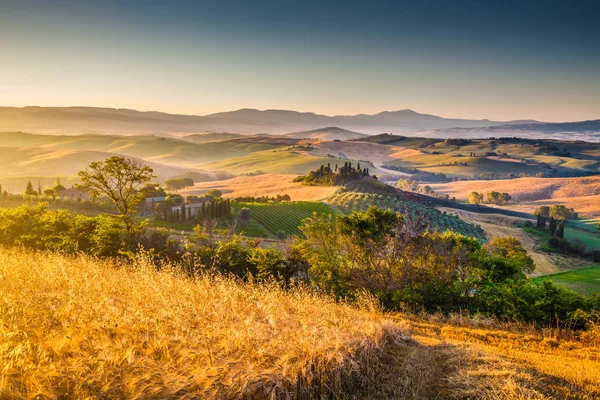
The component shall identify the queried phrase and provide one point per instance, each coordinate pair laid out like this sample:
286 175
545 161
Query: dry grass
75 327
490 360
263 185
582 194
79 328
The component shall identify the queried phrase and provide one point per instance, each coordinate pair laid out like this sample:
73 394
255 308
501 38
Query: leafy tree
214 193
561 213
119 179
511 249
58 187
178 183
50 192
475 198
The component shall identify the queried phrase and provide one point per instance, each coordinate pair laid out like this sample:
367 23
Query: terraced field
435 219
286 216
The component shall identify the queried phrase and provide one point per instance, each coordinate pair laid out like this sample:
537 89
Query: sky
500 60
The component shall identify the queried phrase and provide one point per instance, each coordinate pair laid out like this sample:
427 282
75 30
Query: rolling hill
80 120
329 133
44 162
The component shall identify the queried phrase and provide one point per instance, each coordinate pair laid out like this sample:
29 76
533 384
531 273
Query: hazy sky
475 59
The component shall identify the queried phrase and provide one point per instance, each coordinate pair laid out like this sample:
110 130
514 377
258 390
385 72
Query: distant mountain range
77 120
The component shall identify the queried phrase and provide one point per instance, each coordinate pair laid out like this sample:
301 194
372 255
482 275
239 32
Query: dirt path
496 225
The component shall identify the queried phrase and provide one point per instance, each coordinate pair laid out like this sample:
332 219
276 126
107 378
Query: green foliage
561 213
214 193
327 176
403 267
178 183
284 216
60 230
413 212
120 180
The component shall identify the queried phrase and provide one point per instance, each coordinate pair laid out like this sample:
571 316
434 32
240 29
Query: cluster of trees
32 192
176 184
402 264
326 176
414 186
104 235
555 216
492 197
264 199
419 175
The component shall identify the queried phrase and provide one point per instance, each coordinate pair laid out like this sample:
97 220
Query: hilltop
79 120
329 133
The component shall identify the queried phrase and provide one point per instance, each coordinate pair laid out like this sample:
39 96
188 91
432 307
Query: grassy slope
152 148
590 239
582 280
77 327
272 162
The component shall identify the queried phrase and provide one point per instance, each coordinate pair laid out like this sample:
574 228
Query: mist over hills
124 121
328 133
95 120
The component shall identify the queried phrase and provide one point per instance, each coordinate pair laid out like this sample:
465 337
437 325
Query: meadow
76 327
79 327
590 239
582 280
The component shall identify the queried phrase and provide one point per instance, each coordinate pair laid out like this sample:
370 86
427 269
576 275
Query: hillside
170 151
263 185
77 327
44 162
329 133
582 194
80 120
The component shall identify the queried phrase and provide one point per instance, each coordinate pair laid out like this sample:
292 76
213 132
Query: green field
584 280
591 224
590 239
286 216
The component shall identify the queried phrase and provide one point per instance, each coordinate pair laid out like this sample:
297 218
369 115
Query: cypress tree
552 226
560 231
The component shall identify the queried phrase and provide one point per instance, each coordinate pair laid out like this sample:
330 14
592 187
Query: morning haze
299 200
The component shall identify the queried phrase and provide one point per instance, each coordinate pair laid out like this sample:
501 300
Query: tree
511 249
58 187
50 192
119 179
560 230
552 226
561 212
29 189
214 193
475 198
178 183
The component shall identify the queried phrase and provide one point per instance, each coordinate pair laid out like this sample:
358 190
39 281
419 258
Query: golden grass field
76 327
581 194
263 185
80 328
